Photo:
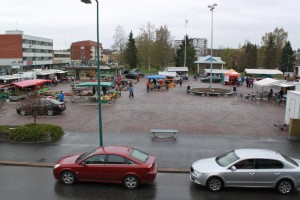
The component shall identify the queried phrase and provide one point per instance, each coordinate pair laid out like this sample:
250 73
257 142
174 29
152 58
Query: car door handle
252 174
277 174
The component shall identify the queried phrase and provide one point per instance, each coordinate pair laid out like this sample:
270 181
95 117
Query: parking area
173 109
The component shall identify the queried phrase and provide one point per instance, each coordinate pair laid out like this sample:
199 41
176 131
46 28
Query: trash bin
188 87
234 89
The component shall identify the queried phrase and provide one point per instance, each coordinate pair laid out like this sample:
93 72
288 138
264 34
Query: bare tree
2 108
33 106
120 39
145 42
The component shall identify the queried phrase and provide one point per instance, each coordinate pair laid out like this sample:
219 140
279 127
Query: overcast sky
235 21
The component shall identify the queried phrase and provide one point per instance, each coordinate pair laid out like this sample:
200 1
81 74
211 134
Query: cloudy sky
235 21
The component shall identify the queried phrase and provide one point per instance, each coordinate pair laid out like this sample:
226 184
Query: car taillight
150 168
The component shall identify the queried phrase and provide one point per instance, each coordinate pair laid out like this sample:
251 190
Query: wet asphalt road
22 183
179 153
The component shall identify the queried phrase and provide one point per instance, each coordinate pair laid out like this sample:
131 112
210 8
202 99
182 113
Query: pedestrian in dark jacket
131 91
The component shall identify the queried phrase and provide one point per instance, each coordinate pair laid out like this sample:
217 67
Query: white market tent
285 84
265 84
263 71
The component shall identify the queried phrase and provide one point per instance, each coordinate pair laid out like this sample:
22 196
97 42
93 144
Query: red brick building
85 51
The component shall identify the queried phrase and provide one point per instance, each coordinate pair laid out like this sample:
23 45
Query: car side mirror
83 163
233 168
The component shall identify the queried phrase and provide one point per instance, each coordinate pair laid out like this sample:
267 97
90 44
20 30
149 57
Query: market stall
264 85
160 82
25 88
107 93
231 77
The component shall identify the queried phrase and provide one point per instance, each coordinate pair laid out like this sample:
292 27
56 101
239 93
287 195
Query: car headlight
56 166
196 173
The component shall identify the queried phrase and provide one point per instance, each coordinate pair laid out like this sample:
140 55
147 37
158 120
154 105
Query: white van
170 74
181 71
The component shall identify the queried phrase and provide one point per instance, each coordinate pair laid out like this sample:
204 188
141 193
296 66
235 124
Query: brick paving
174 109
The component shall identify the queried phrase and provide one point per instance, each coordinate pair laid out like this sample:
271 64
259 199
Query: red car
113 164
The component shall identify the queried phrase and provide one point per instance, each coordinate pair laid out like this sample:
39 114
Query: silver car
248 168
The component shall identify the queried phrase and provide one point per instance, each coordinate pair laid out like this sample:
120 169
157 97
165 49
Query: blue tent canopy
156 77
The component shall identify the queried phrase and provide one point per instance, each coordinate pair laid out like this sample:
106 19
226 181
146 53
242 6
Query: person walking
180 81
61 97
148 86
131 91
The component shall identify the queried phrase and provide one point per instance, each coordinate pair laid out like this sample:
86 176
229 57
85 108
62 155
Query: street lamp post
211 7
186 21
33 59
98 73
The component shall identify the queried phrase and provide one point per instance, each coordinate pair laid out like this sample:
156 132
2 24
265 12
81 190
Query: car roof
120 150
257 153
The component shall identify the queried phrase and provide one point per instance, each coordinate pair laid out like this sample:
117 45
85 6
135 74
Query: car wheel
50 112
214 184
23 112
285 186
131 182
68 177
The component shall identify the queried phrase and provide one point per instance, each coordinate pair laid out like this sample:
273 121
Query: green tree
190 53
131 53
162 51
248 57
270 60
274 42
288 59
261 51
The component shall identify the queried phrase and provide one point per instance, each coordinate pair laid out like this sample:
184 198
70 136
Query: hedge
33 132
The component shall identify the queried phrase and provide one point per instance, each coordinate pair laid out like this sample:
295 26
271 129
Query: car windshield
139 155
84 155
290 160
227 158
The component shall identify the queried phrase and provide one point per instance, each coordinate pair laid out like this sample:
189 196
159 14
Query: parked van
181 71
170 74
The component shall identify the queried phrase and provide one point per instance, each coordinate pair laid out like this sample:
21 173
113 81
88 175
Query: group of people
249 82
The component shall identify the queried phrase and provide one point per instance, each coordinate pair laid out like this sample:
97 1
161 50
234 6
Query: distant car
46 106
215 79
131 76
248 168
136 71
113 164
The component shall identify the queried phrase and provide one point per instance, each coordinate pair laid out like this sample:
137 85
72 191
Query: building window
82 47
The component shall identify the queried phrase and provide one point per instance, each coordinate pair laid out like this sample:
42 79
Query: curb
50 165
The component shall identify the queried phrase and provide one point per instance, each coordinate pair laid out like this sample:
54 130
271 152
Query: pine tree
190 53
288 58
131 53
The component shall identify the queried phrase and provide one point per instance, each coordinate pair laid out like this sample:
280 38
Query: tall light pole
184 64
98 73
211 7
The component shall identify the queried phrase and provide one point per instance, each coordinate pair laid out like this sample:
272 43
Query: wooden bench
199 93
213 94
154 131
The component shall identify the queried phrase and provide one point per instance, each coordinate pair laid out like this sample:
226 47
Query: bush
35 132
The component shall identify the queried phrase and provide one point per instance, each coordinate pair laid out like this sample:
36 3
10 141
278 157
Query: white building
200 45
24 52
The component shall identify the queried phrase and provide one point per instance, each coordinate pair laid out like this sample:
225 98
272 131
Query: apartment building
61 59
84 52
200 45
20 52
